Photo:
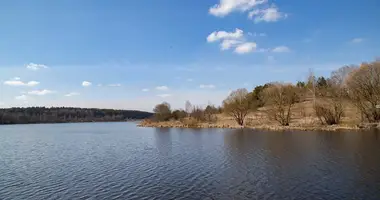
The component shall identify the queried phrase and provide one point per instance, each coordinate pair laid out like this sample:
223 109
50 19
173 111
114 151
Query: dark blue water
122 161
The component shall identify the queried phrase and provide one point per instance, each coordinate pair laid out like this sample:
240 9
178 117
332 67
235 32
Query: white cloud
40 92
145 90
227 44
17 82
86 84
225 7
271 14
246 48
114 85
35 67
100 85
72 94
21 97
189 80
281 49
210 86
162 87
2 103
164 95
357 40
221 35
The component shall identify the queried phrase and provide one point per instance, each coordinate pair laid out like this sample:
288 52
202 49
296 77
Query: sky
135 54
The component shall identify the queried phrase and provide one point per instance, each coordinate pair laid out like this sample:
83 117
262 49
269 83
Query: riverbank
178 124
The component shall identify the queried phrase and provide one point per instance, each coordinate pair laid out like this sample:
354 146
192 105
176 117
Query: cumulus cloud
210 86
164 95
221 35
162 87
86 84
227 44
40 92
271 14
357 40
114 85
21 97
35 67
17 82
246 48
72 94
145 90
225 7
281 49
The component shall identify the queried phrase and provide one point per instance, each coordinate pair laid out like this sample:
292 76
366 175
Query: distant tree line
67 114
357 85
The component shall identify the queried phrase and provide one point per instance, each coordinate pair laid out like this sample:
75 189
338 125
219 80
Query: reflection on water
120 161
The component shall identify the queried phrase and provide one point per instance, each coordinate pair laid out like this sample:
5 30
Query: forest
67 114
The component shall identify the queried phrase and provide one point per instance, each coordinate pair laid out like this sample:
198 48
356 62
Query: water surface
122 161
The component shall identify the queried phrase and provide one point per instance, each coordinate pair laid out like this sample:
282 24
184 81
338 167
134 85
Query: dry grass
303 118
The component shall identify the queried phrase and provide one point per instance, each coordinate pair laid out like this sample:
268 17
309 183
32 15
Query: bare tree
364 90
281 98
188 107
237 105
329 107
162 111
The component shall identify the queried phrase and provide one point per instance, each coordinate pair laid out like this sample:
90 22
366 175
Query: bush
329 113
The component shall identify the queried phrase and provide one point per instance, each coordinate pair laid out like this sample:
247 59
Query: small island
347 100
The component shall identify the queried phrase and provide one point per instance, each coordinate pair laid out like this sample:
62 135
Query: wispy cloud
41 92
21 97
162 88
164 95
114 85
271 14
357 40
17 82
145 90
72 94
245 48
221 35
86 83
257 34
281 49
225 7
210 86
35 67
189 80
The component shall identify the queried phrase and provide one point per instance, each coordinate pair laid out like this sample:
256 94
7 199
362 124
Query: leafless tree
188 107
237 105
280 98
162 111
329 107
364 90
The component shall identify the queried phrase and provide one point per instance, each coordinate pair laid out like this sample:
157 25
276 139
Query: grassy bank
303 118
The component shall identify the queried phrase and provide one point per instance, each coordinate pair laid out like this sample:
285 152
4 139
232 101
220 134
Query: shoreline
334 128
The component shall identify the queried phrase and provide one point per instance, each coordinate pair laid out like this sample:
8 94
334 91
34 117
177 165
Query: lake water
122 161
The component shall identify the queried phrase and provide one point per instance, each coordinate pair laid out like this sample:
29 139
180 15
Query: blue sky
135 54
